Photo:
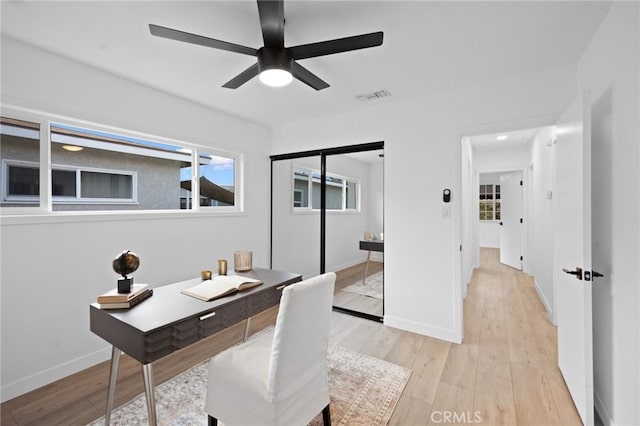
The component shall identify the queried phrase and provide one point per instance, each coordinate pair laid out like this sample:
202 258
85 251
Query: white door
511 219
572 194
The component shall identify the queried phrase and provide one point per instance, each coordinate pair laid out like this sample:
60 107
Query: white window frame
309 207
492 201
60 199
46 120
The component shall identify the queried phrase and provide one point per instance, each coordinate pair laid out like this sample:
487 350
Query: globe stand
124 284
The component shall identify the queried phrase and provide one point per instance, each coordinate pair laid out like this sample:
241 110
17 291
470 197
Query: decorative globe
126 263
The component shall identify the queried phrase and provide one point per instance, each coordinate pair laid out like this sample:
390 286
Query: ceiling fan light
276 77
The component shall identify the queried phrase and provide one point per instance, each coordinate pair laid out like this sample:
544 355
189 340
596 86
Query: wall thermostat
446 195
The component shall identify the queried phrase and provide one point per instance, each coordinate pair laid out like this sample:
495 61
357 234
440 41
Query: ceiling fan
276 64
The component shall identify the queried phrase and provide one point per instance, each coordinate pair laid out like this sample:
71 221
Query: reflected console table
170 320
370 245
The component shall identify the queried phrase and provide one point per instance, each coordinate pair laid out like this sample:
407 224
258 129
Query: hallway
504 373
511 345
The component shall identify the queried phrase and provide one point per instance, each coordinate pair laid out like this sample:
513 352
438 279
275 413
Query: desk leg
113 374
149 392
366 268
246 329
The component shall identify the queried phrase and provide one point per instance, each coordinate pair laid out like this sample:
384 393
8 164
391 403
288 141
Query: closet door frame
323 153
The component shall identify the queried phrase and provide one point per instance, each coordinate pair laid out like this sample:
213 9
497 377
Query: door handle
500 223
577 272
589 274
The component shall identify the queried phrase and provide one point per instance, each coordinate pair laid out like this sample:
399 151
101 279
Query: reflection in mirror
295 223
354 245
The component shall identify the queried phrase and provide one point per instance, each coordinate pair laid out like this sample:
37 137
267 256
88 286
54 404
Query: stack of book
114 300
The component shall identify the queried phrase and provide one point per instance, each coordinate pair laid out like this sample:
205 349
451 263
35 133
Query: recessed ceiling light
72 148
502 138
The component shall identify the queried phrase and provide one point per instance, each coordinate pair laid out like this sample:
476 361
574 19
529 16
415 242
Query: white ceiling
428 46
520 139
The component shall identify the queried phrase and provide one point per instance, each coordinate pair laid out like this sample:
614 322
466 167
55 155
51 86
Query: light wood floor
353 301
505 369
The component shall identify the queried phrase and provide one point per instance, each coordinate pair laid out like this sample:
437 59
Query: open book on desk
220 286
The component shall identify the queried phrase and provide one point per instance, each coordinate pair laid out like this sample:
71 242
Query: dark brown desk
170 320
370 245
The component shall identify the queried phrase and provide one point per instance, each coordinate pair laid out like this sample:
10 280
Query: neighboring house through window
489 202
97 170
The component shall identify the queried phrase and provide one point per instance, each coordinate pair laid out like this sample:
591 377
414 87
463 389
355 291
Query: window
20 141
342 192
300 189
489 202
69 184
99 170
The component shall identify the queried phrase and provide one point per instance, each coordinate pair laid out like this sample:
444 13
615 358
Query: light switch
446 212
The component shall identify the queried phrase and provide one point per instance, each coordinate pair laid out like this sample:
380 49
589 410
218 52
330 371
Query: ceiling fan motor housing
274 58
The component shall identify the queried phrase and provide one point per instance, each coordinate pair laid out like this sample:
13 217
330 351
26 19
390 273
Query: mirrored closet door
327 215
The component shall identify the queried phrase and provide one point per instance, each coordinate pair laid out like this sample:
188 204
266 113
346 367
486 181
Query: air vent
373 95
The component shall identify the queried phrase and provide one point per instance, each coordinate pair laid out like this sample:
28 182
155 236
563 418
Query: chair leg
326 416
213 421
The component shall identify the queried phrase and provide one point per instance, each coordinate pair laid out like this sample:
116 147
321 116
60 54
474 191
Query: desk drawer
221 318
182 334
258 302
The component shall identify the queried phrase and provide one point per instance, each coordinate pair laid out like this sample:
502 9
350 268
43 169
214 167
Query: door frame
524 249
465 249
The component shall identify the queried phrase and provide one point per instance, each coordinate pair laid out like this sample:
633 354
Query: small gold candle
222 267
206 275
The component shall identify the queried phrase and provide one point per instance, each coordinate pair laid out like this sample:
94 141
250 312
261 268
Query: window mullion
78 184
195 180
310 190
46 193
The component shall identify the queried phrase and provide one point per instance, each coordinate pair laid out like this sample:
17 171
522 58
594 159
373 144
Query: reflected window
342 192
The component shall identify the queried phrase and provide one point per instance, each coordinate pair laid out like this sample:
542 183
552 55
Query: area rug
364 391
372 286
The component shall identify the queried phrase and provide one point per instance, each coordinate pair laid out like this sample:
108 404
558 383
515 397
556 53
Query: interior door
572 193
510 219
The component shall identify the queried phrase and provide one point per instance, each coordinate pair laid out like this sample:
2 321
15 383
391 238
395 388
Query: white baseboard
35 381
421 328
602 411
544 300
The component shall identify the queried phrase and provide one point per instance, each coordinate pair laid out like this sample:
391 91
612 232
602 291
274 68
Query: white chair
278 378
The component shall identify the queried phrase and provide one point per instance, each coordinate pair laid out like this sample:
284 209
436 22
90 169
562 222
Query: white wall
610 68
422 157
540 223
375 208
469 213
53 267
503 160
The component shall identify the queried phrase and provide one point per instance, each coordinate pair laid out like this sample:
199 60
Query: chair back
301 335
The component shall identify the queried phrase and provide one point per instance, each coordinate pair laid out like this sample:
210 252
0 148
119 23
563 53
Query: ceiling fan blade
272 22
307 77
178 35
338 45
242 78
